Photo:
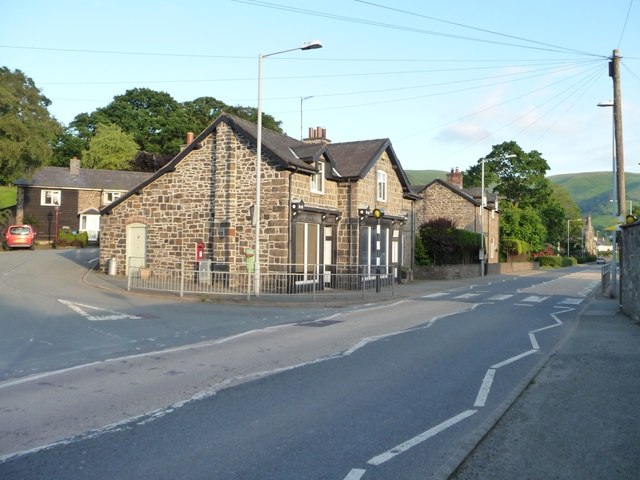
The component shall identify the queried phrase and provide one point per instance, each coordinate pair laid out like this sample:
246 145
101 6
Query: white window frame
113 194
381 185
317 179
51 198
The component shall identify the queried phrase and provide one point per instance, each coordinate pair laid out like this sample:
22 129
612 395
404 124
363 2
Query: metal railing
606 278
309 282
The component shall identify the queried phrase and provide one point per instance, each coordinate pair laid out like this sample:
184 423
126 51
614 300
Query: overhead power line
332 16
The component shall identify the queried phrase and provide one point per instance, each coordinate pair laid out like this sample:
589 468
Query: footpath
577 419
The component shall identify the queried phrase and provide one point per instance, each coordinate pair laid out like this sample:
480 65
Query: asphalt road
399 390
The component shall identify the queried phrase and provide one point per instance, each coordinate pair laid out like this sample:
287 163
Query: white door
327 254
136 245
90 224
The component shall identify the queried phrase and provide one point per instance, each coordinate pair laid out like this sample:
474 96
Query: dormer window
381 186
317 179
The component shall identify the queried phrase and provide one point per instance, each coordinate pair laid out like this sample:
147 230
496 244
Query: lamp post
614 202
302 99
256 212
483 203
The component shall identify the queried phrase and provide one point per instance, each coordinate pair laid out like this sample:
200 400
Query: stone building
316 205
448 199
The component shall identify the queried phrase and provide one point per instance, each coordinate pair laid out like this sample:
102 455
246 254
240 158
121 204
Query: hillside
592 191
422 177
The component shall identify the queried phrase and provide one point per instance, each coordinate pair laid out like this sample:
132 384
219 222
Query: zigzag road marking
481 400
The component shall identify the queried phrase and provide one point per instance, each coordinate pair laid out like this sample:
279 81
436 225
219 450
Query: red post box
199 251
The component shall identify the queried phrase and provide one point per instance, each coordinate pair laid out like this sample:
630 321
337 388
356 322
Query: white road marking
571 301
483 393
403 447
535 299
467 295
435 295
534 341
514 359
355 474
81 309
500 297
523 305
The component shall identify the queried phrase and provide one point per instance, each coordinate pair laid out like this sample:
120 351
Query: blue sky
444 81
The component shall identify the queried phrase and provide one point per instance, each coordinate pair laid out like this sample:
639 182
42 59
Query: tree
157 122
522 224
521 184
27 130
68 144
110 149
519 180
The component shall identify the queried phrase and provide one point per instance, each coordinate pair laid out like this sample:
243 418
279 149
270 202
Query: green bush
69 239
444 244
569 262
550 262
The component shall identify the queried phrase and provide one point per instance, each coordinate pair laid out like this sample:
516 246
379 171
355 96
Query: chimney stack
317 135
189 141
455 178
74 166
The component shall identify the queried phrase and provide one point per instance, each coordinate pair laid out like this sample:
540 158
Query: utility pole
614 73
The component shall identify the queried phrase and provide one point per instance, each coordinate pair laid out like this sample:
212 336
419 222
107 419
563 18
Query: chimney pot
189 137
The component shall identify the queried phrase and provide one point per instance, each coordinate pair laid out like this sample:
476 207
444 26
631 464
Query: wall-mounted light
378 213
363 213
297 207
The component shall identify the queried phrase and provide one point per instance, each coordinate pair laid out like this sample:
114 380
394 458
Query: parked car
19 236
600 260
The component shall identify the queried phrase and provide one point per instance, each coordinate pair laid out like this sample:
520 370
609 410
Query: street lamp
568 222
302 99
306 46
615 201
483 203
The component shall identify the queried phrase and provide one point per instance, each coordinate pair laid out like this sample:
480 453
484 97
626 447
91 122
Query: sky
444 81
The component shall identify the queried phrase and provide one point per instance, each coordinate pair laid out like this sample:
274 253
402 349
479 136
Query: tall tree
110 149
519 178
27 130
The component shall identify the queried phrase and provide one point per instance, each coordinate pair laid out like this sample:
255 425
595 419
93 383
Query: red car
19 236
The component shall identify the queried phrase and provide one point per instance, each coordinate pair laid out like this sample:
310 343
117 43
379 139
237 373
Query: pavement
578 417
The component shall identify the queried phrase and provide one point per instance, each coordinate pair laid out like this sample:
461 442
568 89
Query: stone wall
630 270
451 272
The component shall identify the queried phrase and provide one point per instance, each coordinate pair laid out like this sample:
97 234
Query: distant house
70 198
448 199
317 205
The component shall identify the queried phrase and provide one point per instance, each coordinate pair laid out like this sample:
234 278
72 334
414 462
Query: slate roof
85 179
350 159
473 195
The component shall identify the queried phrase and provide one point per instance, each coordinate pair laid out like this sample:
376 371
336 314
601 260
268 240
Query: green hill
422 177
592 191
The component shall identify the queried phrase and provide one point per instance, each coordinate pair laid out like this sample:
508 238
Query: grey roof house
70 198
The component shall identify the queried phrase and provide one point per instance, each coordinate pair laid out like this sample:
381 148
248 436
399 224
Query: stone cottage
448 199
317 206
